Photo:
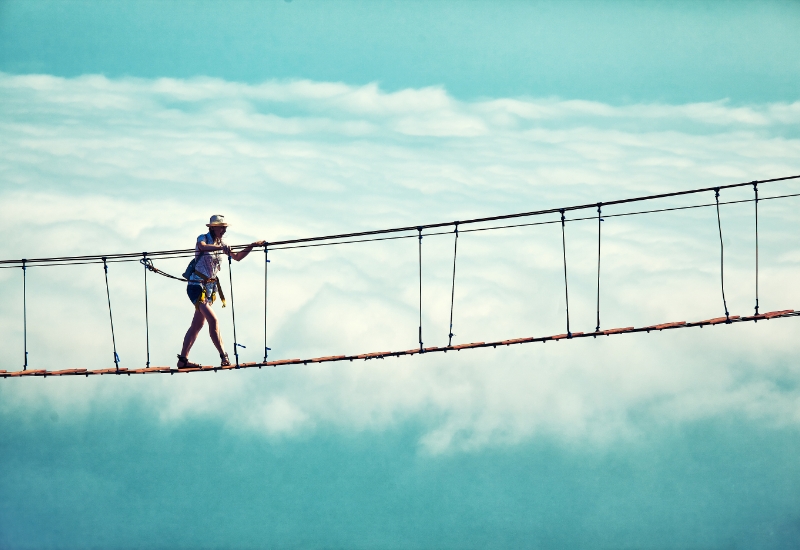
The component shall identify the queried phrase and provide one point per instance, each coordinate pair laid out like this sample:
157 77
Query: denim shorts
195 292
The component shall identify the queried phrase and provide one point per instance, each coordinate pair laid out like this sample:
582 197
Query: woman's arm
205 247
240 255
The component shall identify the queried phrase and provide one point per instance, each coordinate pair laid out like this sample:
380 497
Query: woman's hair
217 236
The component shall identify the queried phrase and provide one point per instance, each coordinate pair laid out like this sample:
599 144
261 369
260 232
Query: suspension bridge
146 259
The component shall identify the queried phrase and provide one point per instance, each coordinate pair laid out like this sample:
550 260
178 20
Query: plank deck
721 321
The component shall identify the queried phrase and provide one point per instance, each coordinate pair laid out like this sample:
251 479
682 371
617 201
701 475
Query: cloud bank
92 165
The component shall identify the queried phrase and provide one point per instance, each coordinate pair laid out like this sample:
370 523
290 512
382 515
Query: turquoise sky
125 125
616 51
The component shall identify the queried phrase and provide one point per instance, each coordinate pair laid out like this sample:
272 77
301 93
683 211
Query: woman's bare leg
213 326
194 329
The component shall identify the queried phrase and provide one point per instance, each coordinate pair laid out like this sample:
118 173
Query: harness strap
148 263
206 281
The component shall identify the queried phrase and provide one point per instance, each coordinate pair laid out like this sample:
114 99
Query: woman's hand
258 244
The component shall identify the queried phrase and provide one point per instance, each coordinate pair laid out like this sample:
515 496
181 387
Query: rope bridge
146 259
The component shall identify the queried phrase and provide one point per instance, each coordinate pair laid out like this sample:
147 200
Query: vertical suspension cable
453 291
721 258
599 220
25 313
110 317
266 264
146 312
566 286
233 314
755 188
419 230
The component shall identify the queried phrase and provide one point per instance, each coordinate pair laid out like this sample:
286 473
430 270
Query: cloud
94 165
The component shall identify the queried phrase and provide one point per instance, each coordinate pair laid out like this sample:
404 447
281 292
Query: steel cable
599 220
721 260
133 256
566 286
143 261
419 230
25 313
755 201
453 289
110 317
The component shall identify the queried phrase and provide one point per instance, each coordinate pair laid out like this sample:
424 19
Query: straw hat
217 221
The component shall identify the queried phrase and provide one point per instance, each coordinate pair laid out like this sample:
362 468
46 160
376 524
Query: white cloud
92 165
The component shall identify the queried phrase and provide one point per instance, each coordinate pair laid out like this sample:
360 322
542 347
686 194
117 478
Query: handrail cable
171 255
417 227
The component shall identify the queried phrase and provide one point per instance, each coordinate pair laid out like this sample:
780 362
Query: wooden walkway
383 354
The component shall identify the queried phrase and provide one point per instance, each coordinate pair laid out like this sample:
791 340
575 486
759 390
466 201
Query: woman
204 285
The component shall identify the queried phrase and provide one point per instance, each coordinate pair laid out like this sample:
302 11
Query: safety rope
566 286
453 290
236 344
599 220
266 264
419 230
143 261
148 263
110 317
25 313
755 188
721 259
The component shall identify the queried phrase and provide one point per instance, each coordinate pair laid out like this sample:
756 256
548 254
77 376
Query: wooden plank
382 354
562 336
772 314
328 358
517 341
467 346
662 326
373 355
65 371
616 330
